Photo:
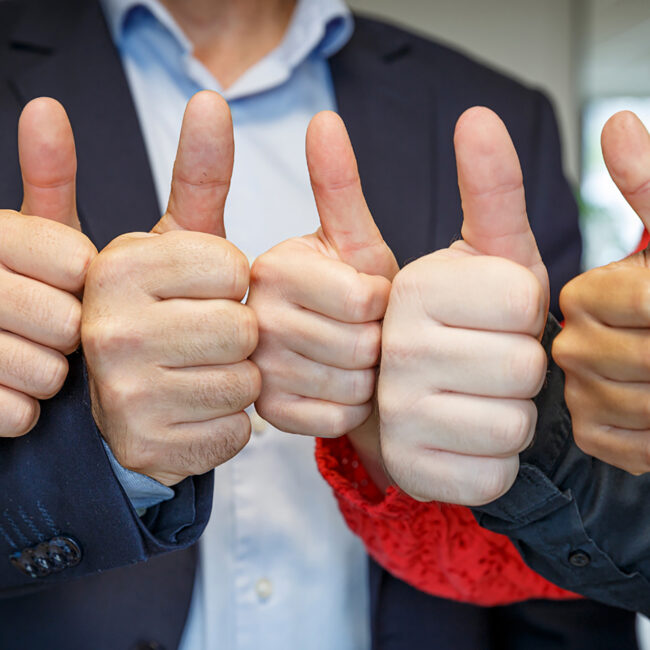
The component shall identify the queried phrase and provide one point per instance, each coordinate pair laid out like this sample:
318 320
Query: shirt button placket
264 589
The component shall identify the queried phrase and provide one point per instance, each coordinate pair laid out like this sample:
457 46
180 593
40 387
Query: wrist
365 440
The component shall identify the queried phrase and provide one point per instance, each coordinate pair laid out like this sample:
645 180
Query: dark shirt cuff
575 520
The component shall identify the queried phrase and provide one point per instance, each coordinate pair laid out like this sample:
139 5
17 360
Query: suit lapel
389 119
67 53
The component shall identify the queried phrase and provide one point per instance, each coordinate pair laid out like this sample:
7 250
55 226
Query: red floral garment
435 547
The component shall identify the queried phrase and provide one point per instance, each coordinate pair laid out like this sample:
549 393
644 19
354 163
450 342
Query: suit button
64 552
41 558
579 558
26 563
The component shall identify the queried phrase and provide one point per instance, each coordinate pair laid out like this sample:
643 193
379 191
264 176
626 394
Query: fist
461 357
164 333
319 301
43 263
603 348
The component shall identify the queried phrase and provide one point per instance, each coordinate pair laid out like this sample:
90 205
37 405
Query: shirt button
258 424
579 558
264 588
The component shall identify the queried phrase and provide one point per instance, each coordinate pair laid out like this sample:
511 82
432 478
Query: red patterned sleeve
437 548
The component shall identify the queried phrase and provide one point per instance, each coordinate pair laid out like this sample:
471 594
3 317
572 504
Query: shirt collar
323 26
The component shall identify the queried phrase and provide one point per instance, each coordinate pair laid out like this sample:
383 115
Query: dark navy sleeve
577 521
63 513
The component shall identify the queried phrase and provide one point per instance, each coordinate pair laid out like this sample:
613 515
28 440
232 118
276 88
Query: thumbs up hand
603 348
43 263
164 333
461 357
319 300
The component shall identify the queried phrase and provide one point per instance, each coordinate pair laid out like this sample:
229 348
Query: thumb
492 192
48 162
626 150
346 222
203 168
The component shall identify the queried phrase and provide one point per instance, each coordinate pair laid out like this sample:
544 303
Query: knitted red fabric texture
435 547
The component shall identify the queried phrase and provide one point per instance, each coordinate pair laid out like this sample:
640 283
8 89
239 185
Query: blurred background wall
592 57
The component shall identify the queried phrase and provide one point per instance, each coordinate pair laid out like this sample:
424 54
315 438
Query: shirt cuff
143 491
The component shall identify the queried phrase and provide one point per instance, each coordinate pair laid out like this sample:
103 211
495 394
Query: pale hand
461 357
164 333
44 258
319 301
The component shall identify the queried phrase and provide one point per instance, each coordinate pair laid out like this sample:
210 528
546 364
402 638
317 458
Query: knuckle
237 388
71 328
359 301
52 372
210 255
21 417
232 438
363 385
247 330
135 453
337 422
583 438
79 258
512 432
105 337
264 269
562 351
270 408
524 300
495 481
404 281
124 395
228 438
240 270
367 346
571 294
528 367
407 284
110 265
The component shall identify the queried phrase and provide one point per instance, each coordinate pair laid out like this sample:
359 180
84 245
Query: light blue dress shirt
279 569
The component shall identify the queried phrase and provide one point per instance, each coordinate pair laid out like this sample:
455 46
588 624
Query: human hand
44 258
319 301
165 336
461 357
603 347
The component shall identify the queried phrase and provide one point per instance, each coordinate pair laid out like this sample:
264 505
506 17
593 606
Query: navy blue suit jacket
400 97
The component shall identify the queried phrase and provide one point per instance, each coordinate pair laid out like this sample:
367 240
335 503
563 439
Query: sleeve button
579 558
64 552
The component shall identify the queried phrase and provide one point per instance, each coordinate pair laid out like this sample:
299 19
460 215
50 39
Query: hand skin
604 346
44 258
165 336
461 357
319 301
